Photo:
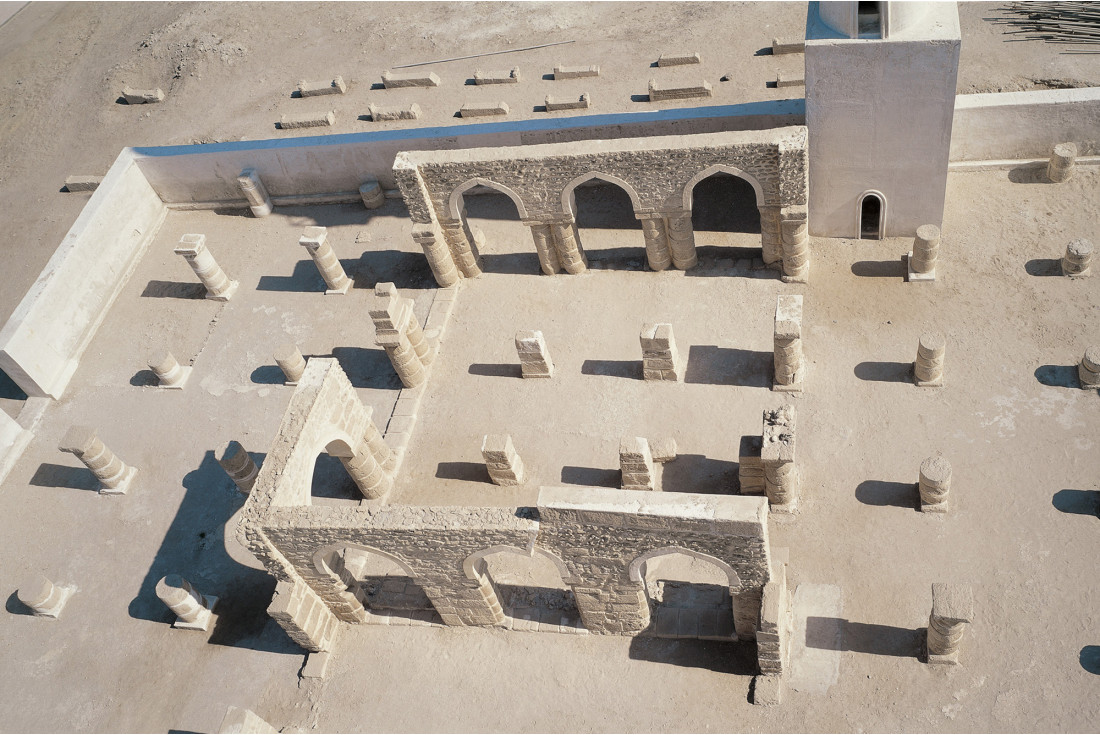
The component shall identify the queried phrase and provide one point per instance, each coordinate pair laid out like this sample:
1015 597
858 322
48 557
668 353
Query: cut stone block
239 721
788 46
316 665
392 80
663 450
576 72
314 89
509 76
308 120
768 691
142 96
657 94
789 80
678 59
43 597
579 104
378 113
483 110
83 183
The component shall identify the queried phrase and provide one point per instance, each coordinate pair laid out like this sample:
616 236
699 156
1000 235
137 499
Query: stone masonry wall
657 169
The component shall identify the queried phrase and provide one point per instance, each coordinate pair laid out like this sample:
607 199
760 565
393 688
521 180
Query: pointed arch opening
330 483
492 215
608 231
530 584
382 583
690 594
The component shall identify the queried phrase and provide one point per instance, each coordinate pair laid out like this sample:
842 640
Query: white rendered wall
879 114
331 164
1013 125
41 344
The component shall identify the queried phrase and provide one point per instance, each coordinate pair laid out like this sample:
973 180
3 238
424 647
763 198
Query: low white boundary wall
1014 125
41 344
332 167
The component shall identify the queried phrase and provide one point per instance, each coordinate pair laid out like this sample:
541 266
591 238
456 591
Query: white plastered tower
880 97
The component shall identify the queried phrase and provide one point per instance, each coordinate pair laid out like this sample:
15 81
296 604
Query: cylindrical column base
372 193
315 240
368 475
82 442
255 192
569 252
926 249
1088 370
928 367
290 359
406 363
787 354
182 599
544 246
241 468
170 374
42 596
438 255
796 250
1078 259
934 482
1062 162
218 285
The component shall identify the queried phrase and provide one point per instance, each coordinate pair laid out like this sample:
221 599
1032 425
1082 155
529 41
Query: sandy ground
1021 438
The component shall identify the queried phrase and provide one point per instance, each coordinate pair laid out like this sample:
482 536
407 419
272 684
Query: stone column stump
921 261
289 359
115 475
43 597
315 240
170 374
372 194
928 367
660 360
1088 370
934 482
240 467
1062 162
787 344
636 463
255 192
504 465
777 454
399 333
952 609
534 358
193 610
218 285
1077 262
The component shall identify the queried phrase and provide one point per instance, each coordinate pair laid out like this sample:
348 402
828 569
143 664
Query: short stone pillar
1077 262
315 240
399 333
255 192
377 446
218 285
289 358
928 367
438 255
921 260
111 471
239 720
43 597
952 608
240 467
636 463
193 610
1062 162
534 358
787 344
660 360
463 247
777 454
372 194
504 465
1088 370
934 482
794 229
170 374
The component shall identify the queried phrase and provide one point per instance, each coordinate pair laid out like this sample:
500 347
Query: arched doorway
529 586
331 484
491 214
725 217
872 216
382 584
608 232
689 594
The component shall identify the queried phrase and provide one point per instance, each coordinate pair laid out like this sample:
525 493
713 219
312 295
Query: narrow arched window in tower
869 18
870 217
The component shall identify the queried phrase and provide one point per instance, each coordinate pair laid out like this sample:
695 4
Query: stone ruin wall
658 174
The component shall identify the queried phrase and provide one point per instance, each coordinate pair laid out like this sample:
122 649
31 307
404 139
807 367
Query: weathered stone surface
576 72
391 79
308 120
381 113
142 96
314 89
